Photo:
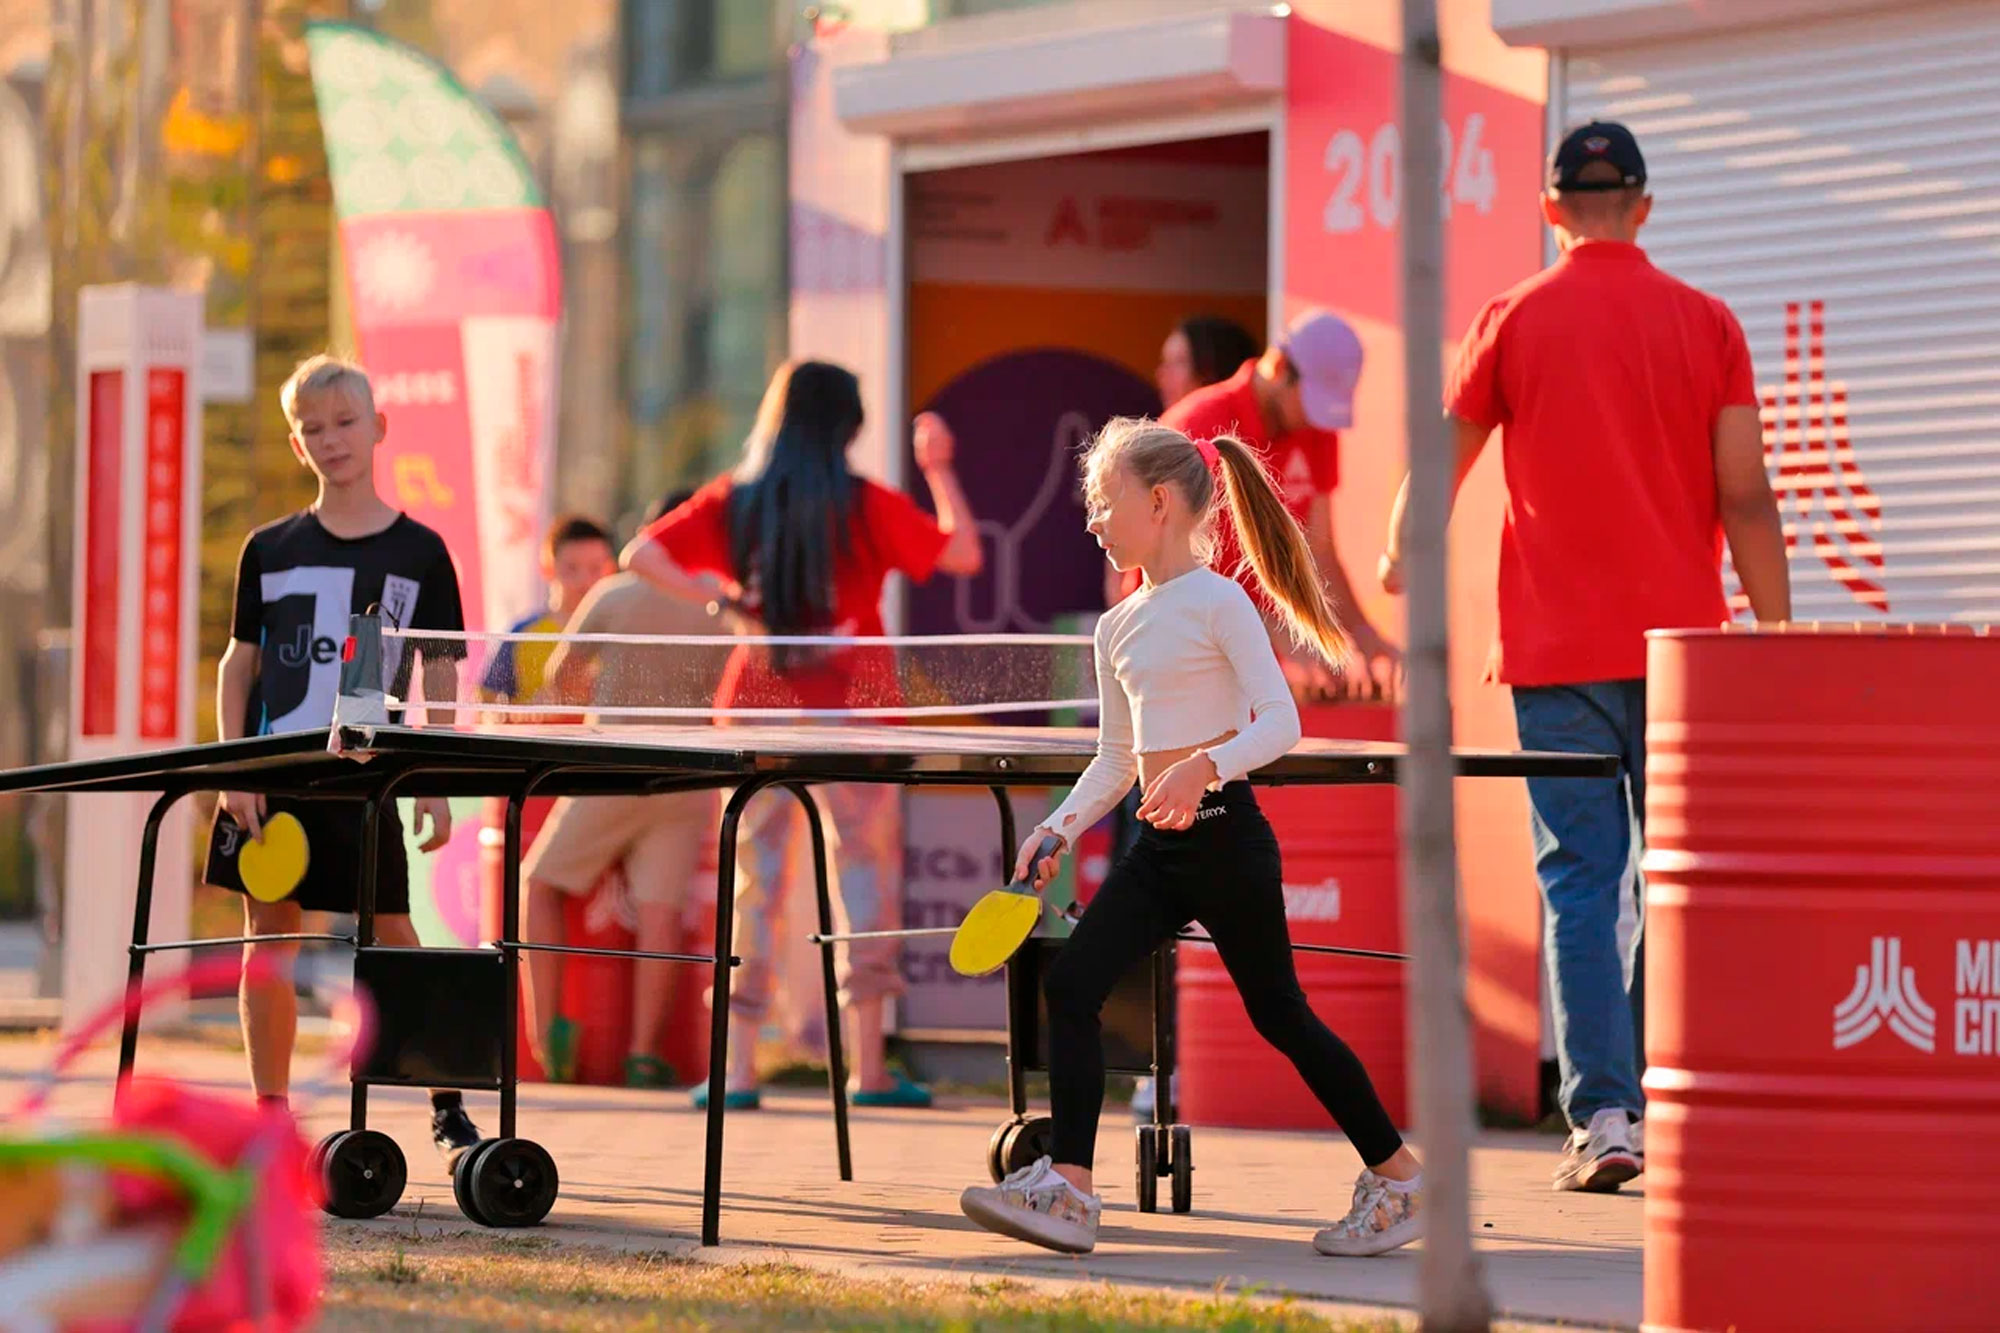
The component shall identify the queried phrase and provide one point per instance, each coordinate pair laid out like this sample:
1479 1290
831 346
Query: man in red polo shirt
1632 447
1289 404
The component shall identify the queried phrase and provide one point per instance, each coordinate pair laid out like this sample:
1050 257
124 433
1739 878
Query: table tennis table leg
364 928
510 959
718 1020
836 1061
1163 1039
142 919
1017 1056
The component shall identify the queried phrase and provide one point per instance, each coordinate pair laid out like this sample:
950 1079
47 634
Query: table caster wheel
1019 1143
361 1173
511 1183
996 1150
317 1155
1148 1177
1182 1165
461 1181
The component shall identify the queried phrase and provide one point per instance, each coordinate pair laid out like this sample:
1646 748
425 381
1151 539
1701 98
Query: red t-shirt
1305 463
1606 376
887 534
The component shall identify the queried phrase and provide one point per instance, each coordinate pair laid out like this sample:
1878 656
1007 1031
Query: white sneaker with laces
1384 1217
1037 1205
1602 1155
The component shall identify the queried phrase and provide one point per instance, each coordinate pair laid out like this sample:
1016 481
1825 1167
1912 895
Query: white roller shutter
1837 182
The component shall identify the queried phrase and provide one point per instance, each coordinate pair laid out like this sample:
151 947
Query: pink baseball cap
1326 352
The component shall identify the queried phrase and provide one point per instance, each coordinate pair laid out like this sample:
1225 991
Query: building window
708 302
705 232
957 9
674 45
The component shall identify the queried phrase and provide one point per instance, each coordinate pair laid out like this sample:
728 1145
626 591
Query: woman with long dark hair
1202 350
799 543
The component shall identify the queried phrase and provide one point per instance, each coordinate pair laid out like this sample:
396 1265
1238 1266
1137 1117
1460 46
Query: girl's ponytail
1278 551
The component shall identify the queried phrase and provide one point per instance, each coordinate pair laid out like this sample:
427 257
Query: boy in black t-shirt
298 581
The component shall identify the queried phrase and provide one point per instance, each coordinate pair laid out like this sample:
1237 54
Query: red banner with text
1343 178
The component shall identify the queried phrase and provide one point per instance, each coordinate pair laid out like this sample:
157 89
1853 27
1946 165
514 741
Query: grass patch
425 1280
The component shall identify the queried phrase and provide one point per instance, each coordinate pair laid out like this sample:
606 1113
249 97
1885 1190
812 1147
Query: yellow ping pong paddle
999 922
272 868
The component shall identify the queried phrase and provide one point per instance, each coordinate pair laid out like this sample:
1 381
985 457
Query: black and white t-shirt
296 586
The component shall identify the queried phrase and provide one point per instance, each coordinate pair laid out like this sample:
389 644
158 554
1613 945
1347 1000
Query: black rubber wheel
514 1183
362 1174
996 1150
1148 1177
1030 1140
317 1155
1183 1168
461 1181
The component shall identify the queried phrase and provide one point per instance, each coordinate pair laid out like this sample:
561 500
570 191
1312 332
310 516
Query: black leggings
1224 872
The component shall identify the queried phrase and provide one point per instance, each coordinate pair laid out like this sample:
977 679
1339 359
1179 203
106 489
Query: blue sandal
737 1099
903 1094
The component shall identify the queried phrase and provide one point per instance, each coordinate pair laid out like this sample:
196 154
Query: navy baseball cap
1599 141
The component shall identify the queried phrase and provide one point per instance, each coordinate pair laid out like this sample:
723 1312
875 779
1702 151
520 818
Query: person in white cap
1289 405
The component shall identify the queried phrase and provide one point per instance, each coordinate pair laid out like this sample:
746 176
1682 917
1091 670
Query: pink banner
424 466
456 315
418 268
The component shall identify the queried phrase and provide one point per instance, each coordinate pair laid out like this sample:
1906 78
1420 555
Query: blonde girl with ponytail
1192 700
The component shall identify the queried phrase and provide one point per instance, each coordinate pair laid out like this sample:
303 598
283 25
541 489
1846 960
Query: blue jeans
1584 833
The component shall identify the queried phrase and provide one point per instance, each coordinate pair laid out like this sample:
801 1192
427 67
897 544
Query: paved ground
631 1167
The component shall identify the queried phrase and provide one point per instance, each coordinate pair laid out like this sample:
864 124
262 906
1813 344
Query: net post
362 701
1451 1291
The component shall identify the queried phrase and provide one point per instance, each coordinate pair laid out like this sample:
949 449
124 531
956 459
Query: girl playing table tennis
800 545
1192 701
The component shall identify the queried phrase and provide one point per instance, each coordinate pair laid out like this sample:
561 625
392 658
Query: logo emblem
1822 495
1884 992
1596 143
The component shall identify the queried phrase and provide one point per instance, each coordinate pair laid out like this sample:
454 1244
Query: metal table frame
375 765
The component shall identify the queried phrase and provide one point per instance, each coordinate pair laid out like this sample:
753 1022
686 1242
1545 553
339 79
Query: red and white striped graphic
1819 486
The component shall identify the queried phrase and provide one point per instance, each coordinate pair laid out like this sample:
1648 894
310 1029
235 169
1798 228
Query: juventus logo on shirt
305 622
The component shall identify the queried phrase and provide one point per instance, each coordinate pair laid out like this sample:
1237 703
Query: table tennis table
374 764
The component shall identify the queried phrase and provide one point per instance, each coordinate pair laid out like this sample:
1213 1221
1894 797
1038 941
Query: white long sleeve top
1180 663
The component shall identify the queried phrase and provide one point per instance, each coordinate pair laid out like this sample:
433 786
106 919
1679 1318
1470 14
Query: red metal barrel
1340 849
1823 980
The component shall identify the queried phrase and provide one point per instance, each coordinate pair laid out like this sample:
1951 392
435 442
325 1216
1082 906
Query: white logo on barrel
1976 1021
1313 902
1884 992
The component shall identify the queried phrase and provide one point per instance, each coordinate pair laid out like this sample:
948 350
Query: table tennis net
531 679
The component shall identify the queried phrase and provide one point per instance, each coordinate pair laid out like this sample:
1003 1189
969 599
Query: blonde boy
297 582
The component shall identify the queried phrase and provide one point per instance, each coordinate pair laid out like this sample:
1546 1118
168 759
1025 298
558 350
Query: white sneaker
1600 1156
1383 1218
1037 1205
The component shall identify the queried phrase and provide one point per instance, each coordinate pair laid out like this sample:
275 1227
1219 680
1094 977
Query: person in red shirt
1632 447
796 541
1289 405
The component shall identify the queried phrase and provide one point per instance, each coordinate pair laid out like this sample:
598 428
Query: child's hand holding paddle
1002 919
1037 874
247 809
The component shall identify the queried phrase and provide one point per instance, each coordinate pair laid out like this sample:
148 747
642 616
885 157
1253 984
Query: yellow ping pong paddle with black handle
1000 922
272 867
